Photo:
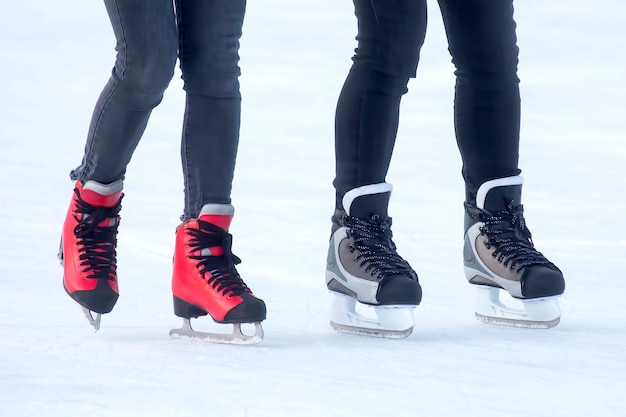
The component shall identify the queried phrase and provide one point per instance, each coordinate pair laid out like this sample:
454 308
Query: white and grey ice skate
364 267
499 254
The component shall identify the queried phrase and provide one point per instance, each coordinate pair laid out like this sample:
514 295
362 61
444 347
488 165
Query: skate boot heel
185 310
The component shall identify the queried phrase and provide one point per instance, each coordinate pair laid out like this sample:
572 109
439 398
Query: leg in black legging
483 45
390 35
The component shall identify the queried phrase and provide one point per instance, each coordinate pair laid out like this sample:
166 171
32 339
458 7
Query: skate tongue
499 198
220 215
216 251
369 200
497 194
100 195
368 205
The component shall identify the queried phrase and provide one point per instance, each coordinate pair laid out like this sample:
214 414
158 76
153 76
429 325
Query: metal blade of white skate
94 321
237 337
538 313
391 322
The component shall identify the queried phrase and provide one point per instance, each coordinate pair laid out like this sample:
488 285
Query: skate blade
362 331
93 320
539 313
391 322
237 337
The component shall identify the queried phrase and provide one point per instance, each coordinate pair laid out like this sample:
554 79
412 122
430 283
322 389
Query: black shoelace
223 276
506 231
97 244
376 250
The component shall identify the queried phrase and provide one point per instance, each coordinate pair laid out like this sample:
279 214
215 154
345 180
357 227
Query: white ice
56 56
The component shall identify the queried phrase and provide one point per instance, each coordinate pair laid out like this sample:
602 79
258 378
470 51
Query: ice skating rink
56 56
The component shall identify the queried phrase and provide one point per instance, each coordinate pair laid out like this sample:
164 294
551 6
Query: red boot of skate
88 247
205 280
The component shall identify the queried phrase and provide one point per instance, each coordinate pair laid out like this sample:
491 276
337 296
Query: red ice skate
205 280
88 247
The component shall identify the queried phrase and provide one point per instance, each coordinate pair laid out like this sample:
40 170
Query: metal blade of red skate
94 321
237 337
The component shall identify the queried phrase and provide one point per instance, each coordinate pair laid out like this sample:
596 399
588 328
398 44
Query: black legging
483 44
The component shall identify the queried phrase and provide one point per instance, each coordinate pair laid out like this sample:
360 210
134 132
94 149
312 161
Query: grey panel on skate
364 290
331 262
469 260
510 284
333 273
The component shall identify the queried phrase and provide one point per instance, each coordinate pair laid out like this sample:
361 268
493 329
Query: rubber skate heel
185 310
206 282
